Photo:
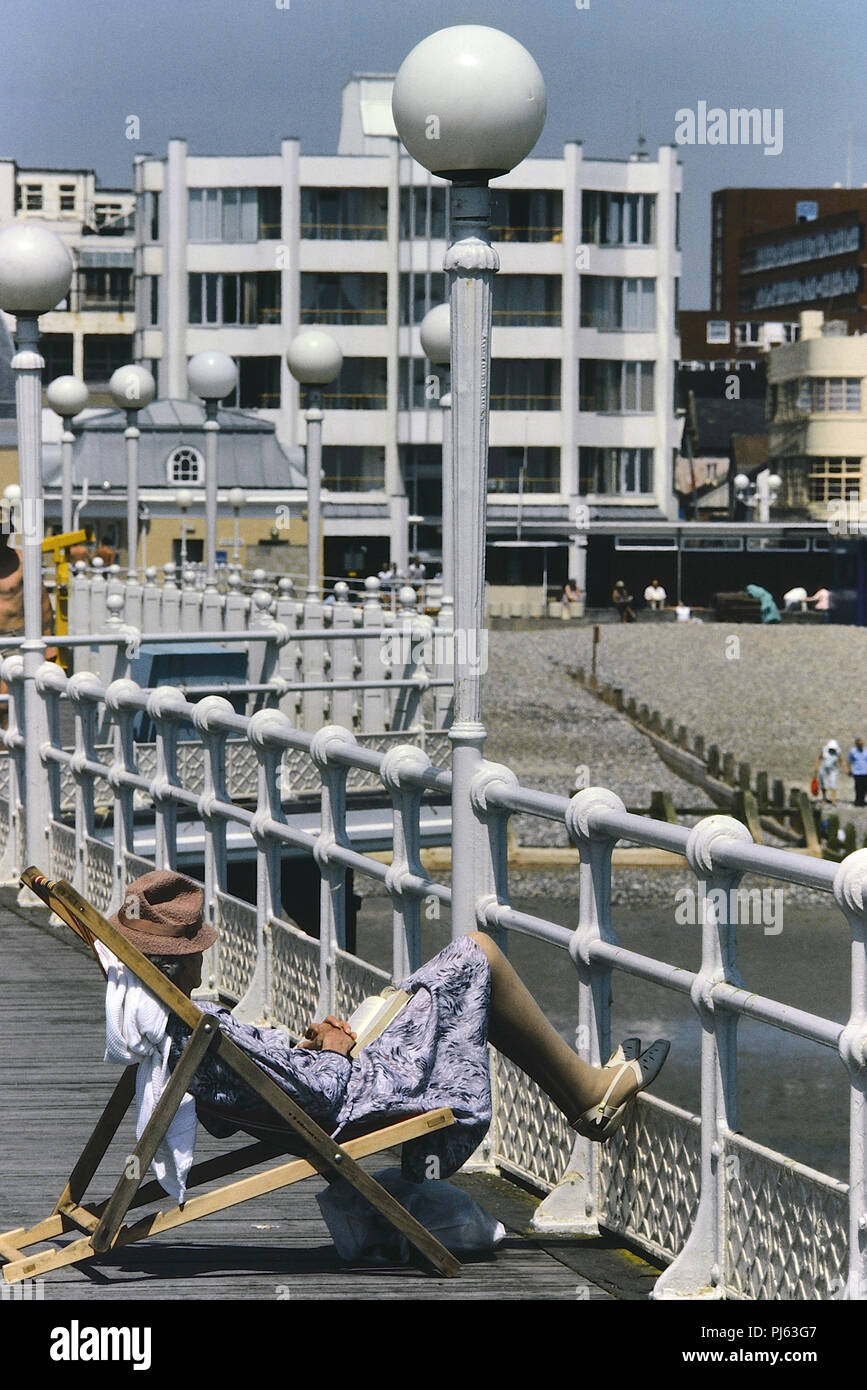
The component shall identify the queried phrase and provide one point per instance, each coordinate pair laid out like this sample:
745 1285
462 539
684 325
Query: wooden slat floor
53 1085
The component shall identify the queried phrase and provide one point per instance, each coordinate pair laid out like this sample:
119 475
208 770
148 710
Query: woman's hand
331 1035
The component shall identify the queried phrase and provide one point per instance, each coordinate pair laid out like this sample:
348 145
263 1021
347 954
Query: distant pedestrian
857 761
655 595
795 600
622 600
826 770
571 594
416 571
822 600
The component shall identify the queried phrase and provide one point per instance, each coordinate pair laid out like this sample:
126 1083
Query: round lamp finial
314 358
132 387
436 334
184 498
35 269
212 375
741 481
469 101
67 396
237 498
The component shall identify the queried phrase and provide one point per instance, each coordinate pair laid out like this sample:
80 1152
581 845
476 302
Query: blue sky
234 76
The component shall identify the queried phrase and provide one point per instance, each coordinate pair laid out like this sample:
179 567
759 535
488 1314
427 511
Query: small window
33 197
67 197
718 331
806 211
185 465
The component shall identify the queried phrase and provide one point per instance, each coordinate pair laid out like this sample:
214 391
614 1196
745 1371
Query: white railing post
123 719
405 861
256 1003
700 1270
215 790
82 690
850 891
191 603
163 706
170 620
313 666
151 608
332 899
444 663
13 738
374 660
342 659
51 682
573 1205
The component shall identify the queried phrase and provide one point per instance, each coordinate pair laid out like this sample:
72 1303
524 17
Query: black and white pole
212 376
469 104
35 274
314 359
67 396
132 388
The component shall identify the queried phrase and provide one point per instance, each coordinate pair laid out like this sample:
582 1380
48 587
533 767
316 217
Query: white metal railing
732 1217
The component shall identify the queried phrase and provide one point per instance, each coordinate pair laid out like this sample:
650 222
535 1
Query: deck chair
100 1226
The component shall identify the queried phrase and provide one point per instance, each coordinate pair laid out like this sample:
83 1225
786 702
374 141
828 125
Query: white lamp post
314 359
761 494
237 500
132 388
184 499
468 104
436 340
213 376
67 396
35 274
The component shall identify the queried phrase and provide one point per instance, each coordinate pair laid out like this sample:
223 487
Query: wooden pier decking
53 1085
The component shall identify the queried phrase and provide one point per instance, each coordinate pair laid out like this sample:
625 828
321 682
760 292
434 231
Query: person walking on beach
622 600
826 770
857 761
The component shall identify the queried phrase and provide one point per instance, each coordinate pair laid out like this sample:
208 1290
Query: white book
374 1014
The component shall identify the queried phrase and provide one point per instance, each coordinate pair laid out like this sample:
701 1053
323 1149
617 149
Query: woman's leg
518 1028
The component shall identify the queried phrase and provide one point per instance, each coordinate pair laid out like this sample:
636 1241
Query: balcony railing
344 231
530 401
500 233
344 315
354 400
353 482
527 318
511 484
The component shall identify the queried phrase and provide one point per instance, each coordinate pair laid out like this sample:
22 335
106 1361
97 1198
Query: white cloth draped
135 1031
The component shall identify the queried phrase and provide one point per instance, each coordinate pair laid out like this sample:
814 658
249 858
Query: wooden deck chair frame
101 1225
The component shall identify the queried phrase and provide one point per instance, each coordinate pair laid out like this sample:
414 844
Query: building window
185 465
610 302
250 297
748 334
67 197
343 298
234 214
418 292
258 383
527 301
833 395
361 385
56 349
524 214
150 215
611 387
718 331
806 211
424 213
344 214
421 384
105 289
103 354
619 219
33 197
353 467
834 479
615 472
525 383
518 469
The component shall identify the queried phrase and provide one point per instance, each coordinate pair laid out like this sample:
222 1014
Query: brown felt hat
162 915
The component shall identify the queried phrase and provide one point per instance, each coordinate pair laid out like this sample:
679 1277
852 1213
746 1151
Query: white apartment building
817 418
91 332
240 253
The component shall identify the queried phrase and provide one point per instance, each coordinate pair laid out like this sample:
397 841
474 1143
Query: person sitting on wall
622 600
434 1052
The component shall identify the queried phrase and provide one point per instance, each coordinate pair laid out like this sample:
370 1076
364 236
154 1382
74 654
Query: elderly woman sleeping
433 1053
